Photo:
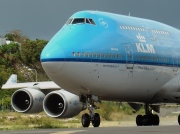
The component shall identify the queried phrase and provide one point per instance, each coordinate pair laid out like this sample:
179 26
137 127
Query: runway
104 130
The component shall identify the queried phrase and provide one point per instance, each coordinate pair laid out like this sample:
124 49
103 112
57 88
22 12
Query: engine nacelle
62 104
28 100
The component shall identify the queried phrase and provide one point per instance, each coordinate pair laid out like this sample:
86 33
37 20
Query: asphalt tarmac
104 130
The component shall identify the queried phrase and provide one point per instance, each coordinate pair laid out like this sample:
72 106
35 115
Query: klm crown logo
141 38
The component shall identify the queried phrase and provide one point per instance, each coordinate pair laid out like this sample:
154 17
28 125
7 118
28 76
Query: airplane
105 56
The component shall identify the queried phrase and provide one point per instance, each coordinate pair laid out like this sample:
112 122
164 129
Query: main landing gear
91 117
148 119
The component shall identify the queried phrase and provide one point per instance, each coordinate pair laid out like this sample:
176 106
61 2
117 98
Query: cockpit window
92 22
87 21
80 21
69 21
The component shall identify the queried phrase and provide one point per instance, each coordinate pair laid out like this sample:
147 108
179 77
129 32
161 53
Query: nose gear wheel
92 117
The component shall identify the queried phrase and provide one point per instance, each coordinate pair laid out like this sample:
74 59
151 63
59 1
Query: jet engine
28 100
62 104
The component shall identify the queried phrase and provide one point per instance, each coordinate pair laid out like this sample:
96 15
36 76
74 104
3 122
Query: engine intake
62 104
27 100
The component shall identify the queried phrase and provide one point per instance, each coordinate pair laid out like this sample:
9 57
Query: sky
41 19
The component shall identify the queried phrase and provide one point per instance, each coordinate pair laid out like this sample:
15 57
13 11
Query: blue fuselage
150 42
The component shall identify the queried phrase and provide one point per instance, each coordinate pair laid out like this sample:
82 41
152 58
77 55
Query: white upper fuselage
115 57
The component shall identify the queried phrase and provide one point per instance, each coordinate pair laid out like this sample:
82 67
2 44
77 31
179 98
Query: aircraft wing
12 84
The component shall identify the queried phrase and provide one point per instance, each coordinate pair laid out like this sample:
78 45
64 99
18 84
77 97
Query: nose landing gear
91 117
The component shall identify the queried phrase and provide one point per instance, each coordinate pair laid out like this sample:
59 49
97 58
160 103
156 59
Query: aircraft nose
52 58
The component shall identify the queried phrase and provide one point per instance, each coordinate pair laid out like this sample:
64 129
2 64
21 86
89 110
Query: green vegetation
12 121
31 51
16 57
20 53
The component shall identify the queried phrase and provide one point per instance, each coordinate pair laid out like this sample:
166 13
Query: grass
14 121
109 111
18 121
21 121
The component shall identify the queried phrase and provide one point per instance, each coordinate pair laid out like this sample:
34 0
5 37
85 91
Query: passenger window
94 55
91 55
110 56
115 55
120 56
87 54
102 55
73 54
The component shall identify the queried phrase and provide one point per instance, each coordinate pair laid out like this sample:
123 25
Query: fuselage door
175 61
129 57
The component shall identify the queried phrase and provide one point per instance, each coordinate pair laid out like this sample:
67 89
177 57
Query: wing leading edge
12 84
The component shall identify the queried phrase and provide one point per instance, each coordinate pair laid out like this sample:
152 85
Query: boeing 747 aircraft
103 56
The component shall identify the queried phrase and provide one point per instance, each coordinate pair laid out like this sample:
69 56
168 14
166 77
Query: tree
15 56
31 50
10 54
16 36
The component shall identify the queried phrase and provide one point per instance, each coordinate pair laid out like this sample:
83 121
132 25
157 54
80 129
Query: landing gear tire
91 117
96 120
155 120
179 119
85 120
139 120
147 120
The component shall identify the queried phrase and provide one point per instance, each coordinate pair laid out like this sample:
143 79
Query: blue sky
43 18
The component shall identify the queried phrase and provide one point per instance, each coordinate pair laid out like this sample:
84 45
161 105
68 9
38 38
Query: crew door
129 57
175 61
